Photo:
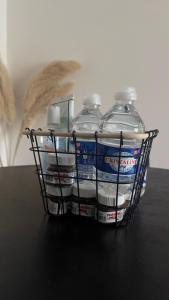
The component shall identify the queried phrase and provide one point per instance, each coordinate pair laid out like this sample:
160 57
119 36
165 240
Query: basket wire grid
142 158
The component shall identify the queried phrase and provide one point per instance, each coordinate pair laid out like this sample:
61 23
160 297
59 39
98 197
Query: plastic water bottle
59 118
121 117
58 168
88 120
47 144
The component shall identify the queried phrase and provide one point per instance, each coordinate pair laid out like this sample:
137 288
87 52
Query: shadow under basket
119 162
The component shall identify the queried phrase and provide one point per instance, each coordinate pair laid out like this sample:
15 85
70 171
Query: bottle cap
109 198
93 99
86 190
55 190
64 159
127 94
53 117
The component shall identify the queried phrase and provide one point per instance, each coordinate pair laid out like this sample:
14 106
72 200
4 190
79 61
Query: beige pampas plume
7 98
7 113
44 87
48 78
40 105
1 107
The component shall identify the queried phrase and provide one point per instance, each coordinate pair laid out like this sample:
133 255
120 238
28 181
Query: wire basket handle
86 135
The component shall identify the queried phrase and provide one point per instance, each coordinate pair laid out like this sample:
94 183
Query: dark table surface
45 258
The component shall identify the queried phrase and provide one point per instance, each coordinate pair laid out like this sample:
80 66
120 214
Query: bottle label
108 161
110 217
57 209
85 152
86 210
59 177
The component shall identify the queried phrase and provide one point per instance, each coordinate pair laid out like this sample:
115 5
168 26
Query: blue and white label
85 152
108 161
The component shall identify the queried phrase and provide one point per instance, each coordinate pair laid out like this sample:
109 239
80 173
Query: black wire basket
65 191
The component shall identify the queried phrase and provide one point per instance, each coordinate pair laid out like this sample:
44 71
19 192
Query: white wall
118 42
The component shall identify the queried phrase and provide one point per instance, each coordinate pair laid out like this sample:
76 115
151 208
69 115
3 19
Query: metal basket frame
146 140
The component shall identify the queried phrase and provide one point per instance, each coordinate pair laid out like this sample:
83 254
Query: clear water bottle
88 120
121 117
47 144
57 162
59 118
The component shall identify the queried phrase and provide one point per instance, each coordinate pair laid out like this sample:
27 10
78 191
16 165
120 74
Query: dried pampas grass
7 114
1 107
44 87
48 78
40 105
7 98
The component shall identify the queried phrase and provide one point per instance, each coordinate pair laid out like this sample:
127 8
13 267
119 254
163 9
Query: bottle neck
124 106
91 106
125 102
